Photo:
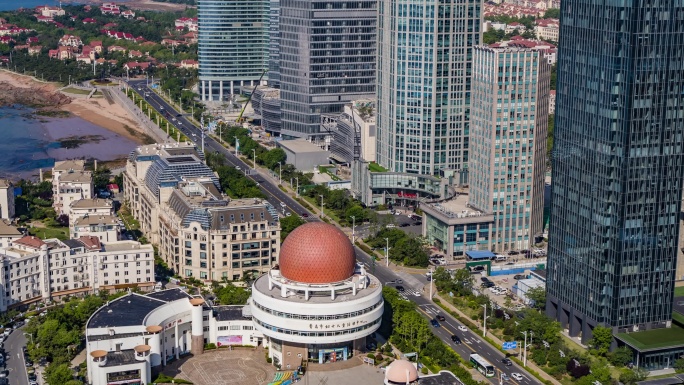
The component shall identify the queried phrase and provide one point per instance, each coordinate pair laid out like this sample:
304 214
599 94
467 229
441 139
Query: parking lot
224 367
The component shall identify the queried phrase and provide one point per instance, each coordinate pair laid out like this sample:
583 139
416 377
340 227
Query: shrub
210 346
269 360
378 357
424 370
370 355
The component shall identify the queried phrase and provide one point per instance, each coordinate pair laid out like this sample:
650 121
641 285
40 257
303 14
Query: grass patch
77 91
679 291
164 379
678 318
657 338
61 233
374 167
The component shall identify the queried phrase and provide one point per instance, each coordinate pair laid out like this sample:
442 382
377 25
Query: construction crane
240 119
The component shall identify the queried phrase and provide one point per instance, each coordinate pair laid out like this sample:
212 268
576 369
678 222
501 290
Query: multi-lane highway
471 342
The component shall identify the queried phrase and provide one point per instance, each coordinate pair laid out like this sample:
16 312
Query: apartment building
35 269
200 232
92 206
8 234
106 228
6 199
70 183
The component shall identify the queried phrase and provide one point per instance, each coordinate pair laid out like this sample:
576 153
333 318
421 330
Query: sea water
29 142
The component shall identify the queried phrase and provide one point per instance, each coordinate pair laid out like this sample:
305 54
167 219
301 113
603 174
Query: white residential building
38 269
6 199
8 234
106 228
70 183
93 206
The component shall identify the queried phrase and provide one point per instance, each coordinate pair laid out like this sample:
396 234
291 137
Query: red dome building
317 252
319 305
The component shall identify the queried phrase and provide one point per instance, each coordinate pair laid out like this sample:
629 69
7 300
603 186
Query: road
276 196
15 358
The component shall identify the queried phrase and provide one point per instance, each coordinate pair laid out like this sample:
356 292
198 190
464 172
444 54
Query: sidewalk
497 341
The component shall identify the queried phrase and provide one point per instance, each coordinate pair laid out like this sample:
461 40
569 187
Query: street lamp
432 275
387 249
297 179
237 145
322 214
30 336
484 328
254 152
353 228
525 351
280 175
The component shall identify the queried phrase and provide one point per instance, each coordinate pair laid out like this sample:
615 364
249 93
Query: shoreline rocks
32 97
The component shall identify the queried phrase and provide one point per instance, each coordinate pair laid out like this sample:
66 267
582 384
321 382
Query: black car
519 276
487 284
405 225
440 318
400 288
434 323
29 363
484 279
506 361
456 339
429 278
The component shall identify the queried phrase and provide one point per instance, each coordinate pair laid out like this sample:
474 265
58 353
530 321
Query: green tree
271 158
679 365
601 339
554 76
621 356
410 251
101 178
229 294
538 296
552 13
288 224
58 374
632 376
357 212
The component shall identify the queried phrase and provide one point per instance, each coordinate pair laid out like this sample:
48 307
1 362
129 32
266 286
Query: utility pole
254 152
432 272
322 213
297 179
280 176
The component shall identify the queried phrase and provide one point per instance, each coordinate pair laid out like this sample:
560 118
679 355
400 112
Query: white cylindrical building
154 341
317 305
142 353
197 341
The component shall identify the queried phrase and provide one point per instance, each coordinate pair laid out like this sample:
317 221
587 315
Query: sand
98 111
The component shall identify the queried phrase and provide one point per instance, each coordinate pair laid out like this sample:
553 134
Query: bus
482 365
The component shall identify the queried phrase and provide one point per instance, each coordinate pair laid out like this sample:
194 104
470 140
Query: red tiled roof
30 241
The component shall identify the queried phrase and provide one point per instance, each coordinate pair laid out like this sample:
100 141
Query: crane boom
239 118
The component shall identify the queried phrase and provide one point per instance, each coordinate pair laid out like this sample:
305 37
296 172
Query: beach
97 111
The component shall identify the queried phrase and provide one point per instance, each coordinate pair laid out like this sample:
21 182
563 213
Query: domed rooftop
317 252
401 372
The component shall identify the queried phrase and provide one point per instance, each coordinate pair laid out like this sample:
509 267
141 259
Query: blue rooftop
480 254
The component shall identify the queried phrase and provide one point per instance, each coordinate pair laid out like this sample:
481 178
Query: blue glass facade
327 59
617 164
233 45
424 66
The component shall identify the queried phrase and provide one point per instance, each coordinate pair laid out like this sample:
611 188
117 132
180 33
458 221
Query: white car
517 376
462 328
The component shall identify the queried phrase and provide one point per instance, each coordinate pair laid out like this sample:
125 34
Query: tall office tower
327 59
274 45
508 128
233 45
424 62
617 165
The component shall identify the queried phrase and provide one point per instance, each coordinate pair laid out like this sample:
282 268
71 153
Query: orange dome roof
317 252
401 372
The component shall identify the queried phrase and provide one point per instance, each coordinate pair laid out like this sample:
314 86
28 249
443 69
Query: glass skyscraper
508 130
327 59
274 45
425 53
233 45
618 165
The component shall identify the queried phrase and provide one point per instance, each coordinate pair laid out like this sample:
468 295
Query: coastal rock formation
34 96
